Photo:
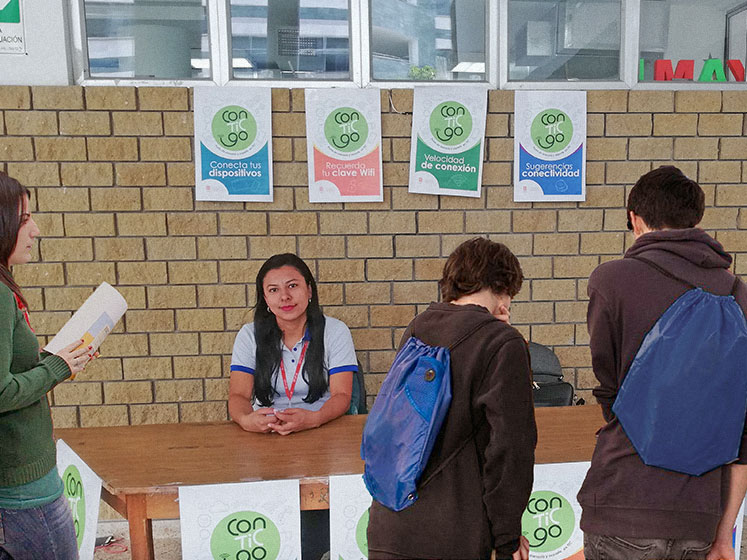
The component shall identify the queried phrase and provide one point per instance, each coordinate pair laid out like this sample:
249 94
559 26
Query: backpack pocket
422 386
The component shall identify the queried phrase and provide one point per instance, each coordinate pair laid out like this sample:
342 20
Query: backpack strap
469 333
448 459
734 286
665 272
472 435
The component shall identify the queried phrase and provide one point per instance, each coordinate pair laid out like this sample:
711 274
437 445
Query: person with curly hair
480 472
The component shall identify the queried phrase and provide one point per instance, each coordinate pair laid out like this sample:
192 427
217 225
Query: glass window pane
428 39
564 40
165 39
693 40
291 39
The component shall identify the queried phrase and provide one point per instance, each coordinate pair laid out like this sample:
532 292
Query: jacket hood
692 244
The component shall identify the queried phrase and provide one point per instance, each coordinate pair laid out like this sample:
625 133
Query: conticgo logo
450 123
552 130
234 128
73 489
245 535
548 521
345 129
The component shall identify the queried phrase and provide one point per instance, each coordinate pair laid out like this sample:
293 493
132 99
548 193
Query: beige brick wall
112 173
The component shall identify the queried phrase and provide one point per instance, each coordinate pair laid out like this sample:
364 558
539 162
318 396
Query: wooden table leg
141 528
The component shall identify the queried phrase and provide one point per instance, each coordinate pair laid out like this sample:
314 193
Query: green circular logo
345 129
552 130
73 489
451 123
234 128
548 521
361 534
245 535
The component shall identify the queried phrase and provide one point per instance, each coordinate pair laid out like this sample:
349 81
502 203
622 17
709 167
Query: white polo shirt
339 355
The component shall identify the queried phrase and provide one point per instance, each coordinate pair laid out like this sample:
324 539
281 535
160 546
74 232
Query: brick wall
112 174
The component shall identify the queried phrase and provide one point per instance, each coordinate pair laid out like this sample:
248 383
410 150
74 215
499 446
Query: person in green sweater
35 519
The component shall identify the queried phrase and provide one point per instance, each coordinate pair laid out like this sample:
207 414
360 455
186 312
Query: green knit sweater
27 450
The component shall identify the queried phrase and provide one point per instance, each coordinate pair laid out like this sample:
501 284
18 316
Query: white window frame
490 81
496 76
219 39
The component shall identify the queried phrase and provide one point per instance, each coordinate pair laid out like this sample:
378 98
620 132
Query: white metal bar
690 86
630 46
360 71
492 42
78 41
219 39
569 85
503 38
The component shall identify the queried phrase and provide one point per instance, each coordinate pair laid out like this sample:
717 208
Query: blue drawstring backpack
683 401
405 420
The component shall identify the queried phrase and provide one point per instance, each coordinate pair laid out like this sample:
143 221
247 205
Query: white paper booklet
93 321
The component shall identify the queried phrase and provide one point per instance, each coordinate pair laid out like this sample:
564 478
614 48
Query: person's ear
639 226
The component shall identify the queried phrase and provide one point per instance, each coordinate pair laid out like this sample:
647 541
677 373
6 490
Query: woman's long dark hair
268 337
11 199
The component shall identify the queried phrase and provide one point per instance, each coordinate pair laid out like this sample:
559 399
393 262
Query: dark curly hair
666 198
480 263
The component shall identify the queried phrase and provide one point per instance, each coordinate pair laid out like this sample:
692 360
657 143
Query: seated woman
296 363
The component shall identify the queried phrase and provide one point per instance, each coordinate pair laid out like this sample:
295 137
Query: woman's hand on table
259 420
294 420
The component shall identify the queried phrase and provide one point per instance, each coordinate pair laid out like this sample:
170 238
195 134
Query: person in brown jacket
630 510
473 505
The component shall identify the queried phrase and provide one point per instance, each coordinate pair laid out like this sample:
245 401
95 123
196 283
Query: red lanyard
289 392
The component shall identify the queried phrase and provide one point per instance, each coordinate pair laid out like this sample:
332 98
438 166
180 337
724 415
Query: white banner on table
448 139
549 146
349 501
244 520
551 520
82 488
233 144
343 138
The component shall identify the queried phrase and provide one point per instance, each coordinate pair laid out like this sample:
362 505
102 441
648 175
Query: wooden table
142 466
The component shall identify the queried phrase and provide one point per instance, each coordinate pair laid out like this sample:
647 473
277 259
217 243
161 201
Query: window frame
491 44
496 76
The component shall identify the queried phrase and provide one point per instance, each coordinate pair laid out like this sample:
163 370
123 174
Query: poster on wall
551 520
549 146
12 27
343 138
448 138
349 501
233 144
243 520
82 488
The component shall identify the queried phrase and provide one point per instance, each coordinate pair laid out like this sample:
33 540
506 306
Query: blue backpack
683 401
405 420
